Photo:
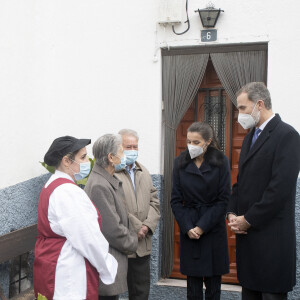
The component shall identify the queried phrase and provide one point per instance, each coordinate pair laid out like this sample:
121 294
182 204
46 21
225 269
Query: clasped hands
143 232
195 233
238 224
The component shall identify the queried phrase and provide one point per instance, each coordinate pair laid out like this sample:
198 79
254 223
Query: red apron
48 247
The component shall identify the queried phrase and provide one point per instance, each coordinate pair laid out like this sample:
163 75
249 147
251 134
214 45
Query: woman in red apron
70 253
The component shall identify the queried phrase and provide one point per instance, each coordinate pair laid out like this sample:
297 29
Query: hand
145 229
143 232
141 235
238 224
193 234
198 230
231 217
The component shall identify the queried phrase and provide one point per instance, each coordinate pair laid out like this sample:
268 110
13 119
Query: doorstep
182 283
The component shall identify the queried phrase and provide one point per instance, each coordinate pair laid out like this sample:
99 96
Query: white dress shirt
264 124
131 173
72 214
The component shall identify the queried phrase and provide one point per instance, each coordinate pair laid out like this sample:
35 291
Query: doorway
213 105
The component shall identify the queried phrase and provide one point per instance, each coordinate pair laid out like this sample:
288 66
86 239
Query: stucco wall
18 209
86 67
19 204
295 294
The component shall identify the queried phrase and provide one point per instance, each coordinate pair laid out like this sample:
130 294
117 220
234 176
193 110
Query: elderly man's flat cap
62 146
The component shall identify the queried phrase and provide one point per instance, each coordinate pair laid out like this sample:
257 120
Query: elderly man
261 210
143 208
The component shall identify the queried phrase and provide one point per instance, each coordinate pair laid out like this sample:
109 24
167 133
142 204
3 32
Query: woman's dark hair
207 133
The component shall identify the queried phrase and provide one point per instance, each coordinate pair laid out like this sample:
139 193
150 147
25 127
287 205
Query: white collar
133 166
264 124
61 174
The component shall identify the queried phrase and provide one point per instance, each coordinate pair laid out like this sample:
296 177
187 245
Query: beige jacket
143 207
107 194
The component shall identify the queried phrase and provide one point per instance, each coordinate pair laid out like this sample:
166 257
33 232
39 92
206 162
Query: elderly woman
106 192
71 252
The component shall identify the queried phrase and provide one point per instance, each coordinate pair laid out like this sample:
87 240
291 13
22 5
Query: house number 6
208 35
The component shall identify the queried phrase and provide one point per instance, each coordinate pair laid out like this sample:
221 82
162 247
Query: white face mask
248 121
195 150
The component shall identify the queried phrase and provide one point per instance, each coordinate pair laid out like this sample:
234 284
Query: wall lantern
209 16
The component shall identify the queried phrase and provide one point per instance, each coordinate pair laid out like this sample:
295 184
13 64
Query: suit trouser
109 297
255 295
212 288
138 278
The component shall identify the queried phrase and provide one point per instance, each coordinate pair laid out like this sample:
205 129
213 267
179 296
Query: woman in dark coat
201 189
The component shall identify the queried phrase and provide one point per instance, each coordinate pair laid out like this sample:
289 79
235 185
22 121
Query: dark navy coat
199 198
265 195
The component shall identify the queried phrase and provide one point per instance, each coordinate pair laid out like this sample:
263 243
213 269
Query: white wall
75 67
276 22
85 68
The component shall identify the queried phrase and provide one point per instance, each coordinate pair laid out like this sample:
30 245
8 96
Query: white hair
108 143
129 132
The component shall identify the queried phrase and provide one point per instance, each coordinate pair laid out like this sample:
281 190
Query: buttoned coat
106 192
142 204
199 198
265 195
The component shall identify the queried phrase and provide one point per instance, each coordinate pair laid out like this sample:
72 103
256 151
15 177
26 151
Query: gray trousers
138 278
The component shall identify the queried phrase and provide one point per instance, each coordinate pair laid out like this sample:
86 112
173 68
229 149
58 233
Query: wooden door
213 105
238 134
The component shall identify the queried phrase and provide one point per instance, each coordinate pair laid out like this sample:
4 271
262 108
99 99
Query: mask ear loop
72 171
116 155
74 162
257 113
253 108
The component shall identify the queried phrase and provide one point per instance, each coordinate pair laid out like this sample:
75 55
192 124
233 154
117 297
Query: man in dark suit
261 210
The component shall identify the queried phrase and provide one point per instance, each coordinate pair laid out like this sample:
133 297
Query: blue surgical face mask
122 164
85 169
131 156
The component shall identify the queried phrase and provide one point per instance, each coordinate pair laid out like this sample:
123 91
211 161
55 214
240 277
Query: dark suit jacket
265 195
199 198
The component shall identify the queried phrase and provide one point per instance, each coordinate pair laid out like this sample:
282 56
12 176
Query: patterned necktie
255 136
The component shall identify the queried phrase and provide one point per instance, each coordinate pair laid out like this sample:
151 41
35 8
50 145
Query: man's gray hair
108 143
257 91
129 132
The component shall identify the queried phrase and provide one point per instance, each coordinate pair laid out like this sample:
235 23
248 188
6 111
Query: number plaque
208 35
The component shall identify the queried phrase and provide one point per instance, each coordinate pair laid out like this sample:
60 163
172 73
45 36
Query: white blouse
72 214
